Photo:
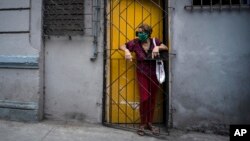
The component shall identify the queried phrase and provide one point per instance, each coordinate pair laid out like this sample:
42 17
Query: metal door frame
166 31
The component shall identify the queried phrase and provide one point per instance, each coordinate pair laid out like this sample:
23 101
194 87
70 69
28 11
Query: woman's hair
146 28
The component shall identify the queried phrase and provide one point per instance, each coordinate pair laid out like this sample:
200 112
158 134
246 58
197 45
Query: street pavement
49 130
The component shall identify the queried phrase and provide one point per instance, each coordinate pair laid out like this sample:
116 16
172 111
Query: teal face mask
142 36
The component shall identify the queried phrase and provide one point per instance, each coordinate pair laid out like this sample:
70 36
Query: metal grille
123 109
218 4
121 93
63 17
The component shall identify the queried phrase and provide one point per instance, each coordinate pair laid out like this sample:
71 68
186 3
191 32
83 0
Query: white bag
160 72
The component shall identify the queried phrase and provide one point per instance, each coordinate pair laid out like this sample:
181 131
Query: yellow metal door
122 96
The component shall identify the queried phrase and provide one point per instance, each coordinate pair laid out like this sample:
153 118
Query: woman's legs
154 86
148 87
144 94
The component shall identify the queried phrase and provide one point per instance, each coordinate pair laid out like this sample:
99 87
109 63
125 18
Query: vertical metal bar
134 16
230 4
220 5
133 64
150 91
160 29
126 92
240 4
192 5
126 67
201 4
110 51
104 64
142 13
166 95
211 2
134 68
150 20
134 76
118 102
119 25
159 17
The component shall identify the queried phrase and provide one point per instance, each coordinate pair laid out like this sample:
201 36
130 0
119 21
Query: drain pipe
95 27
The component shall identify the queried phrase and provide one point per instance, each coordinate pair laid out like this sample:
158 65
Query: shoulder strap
154 41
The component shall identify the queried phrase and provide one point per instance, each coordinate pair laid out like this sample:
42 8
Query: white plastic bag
160 72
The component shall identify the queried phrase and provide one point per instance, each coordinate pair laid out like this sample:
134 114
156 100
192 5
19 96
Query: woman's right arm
128 55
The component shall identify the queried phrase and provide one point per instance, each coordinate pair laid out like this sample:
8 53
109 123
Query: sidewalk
58 131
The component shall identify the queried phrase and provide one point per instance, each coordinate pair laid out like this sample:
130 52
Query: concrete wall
74 83
20 46
211 69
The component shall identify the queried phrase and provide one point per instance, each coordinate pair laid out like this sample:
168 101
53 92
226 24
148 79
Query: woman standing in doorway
145 51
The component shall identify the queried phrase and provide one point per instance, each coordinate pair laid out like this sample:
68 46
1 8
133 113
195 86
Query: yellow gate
122 96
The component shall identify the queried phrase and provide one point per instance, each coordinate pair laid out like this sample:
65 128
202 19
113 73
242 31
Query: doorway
121 93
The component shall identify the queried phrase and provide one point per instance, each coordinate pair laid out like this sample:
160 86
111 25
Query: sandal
155 131
141 131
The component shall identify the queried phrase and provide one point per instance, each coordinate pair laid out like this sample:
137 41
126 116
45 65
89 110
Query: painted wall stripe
18 105
19 62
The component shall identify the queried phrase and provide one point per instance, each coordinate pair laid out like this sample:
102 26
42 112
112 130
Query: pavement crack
52 129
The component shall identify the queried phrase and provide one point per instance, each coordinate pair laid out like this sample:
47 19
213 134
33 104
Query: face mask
142 36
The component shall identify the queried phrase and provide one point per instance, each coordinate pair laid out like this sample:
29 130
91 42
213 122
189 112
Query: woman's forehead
140 29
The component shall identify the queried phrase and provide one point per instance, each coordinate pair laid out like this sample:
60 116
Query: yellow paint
124 16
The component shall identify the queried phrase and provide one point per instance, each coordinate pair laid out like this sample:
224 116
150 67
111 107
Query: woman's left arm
156 50
163 47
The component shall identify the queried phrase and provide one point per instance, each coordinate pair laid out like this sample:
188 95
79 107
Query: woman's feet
153 129
141 130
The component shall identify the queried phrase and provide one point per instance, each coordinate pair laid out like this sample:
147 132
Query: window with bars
219 4
63 17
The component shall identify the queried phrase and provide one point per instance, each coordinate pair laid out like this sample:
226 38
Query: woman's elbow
122 47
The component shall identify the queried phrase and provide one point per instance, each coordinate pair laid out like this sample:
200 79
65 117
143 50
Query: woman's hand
155 52
128 55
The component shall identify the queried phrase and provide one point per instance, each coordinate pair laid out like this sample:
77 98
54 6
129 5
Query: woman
145 51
